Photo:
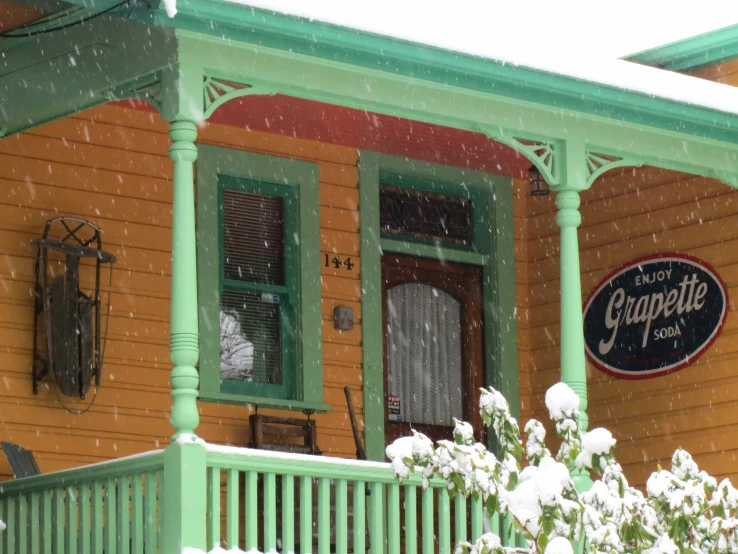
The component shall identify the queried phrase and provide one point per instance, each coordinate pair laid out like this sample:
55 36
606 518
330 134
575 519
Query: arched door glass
424 354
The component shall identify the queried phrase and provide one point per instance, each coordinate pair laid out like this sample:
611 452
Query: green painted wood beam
711 48
493 114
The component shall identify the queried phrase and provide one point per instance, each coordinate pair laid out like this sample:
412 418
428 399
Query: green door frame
492 251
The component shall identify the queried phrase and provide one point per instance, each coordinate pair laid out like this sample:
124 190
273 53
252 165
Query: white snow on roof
468 27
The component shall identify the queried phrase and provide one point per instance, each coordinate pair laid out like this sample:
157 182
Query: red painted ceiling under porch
289 116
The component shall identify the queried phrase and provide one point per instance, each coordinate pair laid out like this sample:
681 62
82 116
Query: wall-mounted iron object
71 318
343 318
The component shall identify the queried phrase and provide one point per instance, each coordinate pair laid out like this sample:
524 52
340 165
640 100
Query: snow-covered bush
684 510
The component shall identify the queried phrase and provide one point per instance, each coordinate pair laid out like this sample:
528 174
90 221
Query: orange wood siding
110 165
627 215
726 73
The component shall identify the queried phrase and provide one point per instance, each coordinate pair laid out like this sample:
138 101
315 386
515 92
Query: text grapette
625 310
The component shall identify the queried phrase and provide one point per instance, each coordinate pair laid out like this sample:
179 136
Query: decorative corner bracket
597 164
216 92
149 92
544 154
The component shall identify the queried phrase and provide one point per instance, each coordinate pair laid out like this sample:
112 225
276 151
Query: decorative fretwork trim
597 164
542 153
216 92
149 92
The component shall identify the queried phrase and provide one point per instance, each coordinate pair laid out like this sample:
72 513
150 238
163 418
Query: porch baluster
460 518
324 516
393 518
411 516
477 515
306 515
98 521
251 529
342 517
288 513
427 525
444 522
360 517
270 512
232 500
35 523
85 524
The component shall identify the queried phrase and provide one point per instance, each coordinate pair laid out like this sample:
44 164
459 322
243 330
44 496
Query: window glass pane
250 338
253 237
424 354
421 214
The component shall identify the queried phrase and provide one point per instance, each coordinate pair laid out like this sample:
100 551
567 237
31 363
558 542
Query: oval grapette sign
654 316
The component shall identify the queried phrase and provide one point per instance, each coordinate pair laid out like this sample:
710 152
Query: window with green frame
259 279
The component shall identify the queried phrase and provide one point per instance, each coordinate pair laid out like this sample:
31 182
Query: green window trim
288 292
222 168
492 250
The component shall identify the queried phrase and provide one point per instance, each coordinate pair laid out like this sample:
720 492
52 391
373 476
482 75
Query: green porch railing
304 504
110 508
256 501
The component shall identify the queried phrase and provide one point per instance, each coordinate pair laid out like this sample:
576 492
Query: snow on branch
684 510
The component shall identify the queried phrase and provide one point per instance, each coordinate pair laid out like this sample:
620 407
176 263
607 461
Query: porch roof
689 54
468 33
631 115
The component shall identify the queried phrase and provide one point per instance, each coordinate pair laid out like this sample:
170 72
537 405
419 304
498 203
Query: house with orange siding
331 236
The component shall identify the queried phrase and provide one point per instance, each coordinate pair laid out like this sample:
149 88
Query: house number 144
338 263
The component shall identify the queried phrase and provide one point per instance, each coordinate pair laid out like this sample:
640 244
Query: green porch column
184 500
184 348
181 100
573 369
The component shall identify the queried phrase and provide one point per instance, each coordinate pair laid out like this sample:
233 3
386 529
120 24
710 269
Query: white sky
592 28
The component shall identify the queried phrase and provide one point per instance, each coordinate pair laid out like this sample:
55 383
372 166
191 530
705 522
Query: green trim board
492 250
257 171
689 54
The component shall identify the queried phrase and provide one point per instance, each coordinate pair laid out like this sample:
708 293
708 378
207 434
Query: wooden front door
433 346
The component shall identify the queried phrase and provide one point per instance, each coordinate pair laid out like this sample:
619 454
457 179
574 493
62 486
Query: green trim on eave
711 48
308 357
493 252
238 23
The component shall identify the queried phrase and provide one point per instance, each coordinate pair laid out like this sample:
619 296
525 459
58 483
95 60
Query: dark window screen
425 215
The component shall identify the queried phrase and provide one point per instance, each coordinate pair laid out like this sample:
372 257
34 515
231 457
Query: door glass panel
424 355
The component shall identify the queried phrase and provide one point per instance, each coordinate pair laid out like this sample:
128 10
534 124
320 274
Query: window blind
254 263
253 237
